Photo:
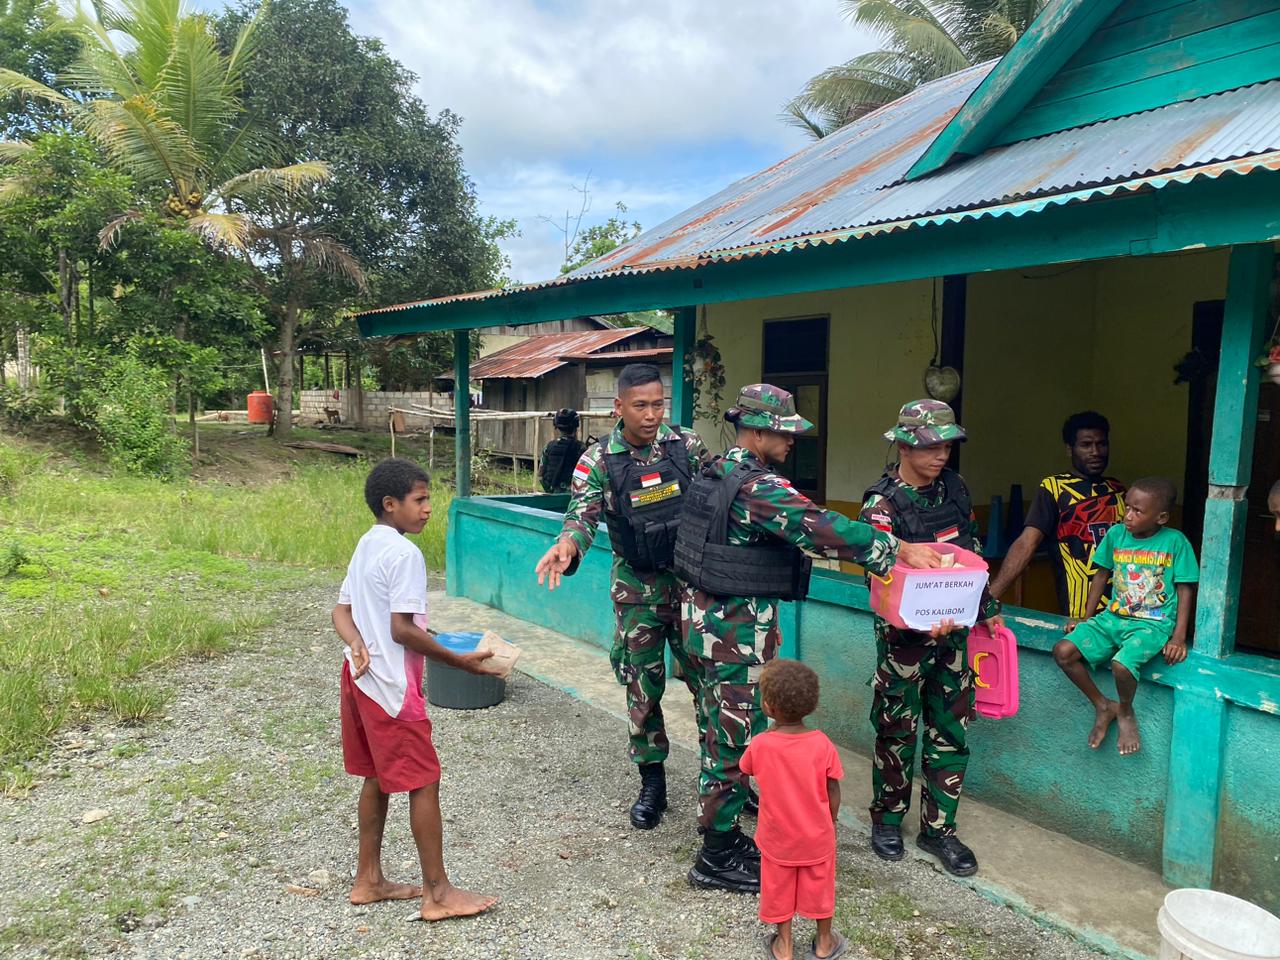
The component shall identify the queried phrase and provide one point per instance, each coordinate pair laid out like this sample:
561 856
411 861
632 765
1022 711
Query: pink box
931 596
993 657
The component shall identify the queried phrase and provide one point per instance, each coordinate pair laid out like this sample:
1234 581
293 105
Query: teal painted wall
1249 824
1154 52
1035 765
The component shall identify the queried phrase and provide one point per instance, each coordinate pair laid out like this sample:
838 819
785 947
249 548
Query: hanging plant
704 371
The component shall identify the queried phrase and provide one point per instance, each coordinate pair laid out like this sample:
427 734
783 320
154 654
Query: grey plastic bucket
456 689
1208 925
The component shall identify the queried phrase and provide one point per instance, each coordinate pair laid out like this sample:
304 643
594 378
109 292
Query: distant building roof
537 356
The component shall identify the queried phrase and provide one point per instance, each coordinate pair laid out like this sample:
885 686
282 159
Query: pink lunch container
957 589
993 657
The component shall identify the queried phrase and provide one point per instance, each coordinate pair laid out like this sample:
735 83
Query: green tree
153 89
597 240
35 42
399 201
923 41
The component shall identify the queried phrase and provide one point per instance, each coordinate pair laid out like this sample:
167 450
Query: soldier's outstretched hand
918 555
555 562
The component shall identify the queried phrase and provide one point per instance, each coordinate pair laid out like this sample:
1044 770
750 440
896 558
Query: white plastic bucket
1208 925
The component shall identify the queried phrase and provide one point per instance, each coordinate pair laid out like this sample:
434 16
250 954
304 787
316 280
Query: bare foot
452 902
1106 714
1127 740
363 892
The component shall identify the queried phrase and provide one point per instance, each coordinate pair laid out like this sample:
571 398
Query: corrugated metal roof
625 356
537 356
850 185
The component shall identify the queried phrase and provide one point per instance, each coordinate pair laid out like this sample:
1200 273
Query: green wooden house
1064 227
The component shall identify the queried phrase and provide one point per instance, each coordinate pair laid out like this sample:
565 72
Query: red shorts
398 753
785 891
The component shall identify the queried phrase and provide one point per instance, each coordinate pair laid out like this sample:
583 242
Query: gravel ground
227 829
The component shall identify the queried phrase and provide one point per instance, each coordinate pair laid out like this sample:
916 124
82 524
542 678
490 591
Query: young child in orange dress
798 773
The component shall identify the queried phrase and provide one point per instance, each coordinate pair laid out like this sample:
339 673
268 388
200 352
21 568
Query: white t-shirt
387 575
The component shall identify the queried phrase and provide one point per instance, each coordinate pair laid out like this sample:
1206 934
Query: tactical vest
558 460
646 504
705 558
920 524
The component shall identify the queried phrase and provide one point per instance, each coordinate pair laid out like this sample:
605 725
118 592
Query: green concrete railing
1035 765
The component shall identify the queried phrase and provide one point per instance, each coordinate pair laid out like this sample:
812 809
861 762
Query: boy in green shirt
1154 574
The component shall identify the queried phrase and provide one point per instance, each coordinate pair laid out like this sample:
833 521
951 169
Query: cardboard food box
913 599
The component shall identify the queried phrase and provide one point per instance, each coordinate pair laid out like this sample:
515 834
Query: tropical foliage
923 40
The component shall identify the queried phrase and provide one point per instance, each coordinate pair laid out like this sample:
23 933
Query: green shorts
1127 641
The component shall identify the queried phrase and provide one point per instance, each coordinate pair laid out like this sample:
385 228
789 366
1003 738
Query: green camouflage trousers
917 677
639 662
731 704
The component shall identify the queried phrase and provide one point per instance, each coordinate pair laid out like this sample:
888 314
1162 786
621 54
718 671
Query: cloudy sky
661 102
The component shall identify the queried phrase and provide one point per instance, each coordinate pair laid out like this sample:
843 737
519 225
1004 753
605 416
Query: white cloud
654 97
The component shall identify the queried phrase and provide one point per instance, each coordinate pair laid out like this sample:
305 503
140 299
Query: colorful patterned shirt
745 629
1075 513
591 493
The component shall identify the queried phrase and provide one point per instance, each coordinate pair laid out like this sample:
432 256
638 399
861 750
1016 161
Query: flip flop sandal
840 949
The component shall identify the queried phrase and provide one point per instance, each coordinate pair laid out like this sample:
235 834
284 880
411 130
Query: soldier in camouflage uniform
729 608
645 601
921 675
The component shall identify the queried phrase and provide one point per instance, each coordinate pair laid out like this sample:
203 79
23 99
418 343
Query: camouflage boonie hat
926 423
766 407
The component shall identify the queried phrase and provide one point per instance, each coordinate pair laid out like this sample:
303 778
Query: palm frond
816 126
845 92
246 46
108 235
190 86
232 231
276 183
330 256
11 151
151 25
16 84
151 146
18 186
101 67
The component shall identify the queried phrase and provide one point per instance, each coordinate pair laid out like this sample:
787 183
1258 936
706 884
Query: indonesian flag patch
582 471
650 479
950 533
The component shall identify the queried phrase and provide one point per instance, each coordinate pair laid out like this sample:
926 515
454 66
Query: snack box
913 599
993 657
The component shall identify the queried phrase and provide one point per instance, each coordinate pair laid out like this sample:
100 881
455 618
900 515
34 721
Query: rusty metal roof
850 185
537 356
624 356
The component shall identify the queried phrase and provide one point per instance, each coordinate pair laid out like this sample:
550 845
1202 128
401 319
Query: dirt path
227 830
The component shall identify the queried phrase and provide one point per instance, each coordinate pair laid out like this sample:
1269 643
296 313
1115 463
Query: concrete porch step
1104 901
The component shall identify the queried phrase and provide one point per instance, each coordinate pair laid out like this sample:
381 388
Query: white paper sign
929 598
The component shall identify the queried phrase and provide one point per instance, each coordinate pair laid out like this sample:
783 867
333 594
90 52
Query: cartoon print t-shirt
1145 572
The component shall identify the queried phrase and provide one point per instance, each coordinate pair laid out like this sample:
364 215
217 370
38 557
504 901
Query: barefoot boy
1154 574
386 736
798 772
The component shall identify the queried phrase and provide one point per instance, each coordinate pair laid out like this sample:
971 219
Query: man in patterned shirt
743 541
635 479
1071 511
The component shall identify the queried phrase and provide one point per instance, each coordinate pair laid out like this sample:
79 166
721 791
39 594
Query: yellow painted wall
880 343
1041 344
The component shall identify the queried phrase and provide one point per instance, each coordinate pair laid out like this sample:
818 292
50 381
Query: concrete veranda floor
1105 901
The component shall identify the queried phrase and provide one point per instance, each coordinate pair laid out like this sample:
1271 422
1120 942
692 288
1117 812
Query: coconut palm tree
152 88
923 40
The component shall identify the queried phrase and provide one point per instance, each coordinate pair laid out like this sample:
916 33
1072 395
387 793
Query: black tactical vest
921 524
558 460
705 558
646 504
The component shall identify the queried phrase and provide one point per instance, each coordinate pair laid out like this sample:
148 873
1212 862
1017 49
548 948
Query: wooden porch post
1199 717
681 390
462 410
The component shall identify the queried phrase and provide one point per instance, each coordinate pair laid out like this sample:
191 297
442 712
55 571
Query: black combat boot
646 812
886 841
720 865
752 807
744 844
954 856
